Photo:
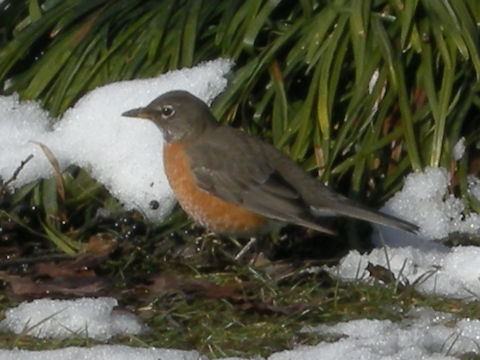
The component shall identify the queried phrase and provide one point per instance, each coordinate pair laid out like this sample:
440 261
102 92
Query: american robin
236 184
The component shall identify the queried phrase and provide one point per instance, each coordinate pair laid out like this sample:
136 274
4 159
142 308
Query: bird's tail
349 208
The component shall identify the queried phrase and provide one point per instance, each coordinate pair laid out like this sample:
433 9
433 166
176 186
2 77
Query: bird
236 184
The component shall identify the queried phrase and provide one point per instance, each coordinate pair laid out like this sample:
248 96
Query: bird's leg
244 250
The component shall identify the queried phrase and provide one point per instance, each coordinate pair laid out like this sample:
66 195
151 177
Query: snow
84 317
473 185
422 334
124 154
102 352
459 149
425 201
433 268
451 273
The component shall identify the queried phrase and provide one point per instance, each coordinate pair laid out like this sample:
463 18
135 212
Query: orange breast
208 210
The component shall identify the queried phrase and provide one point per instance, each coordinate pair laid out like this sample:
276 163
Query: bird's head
179 115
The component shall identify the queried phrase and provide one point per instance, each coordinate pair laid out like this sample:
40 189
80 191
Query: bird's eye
167 111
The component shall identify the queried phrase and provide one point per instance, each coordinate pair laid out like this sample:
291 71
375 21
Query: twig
3 189
56 167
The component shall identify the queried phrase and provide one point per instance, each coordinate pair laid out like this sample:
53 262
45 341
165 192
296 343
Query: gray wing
244 170
324 201
238 170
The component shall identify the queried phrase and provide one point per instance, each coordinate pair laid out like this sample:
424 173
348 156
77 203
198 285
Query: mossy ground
192 293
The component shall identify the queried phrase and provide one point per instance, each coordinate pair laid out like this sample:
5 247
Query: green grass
269 320
302 81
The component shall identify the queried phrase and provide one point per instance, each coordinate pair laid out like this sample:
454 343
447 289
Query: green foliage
360 91
269 318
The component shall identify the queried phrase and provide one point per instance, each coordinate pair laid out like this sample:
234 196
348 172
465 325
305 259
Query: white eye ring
167 111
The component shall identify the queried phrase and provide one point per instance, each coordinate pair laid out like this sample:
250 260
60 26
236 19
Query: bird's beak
143 113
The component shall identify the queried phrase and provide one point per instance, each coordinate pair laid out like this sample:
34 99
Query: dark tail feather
360 212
